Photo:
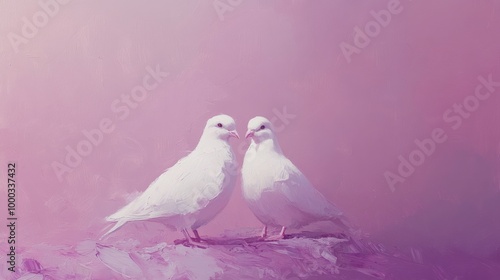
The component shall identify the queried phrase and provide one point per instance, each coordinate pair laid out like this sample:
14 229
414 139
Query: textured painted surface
351 120
230 257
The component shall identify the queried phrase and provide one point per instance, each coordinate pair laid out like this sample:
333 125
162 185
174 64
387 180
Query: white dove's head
260 129
221 127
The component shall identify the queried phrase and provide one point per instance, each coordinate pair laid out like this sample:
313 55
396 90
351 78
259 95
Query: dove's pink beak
249 134
234 134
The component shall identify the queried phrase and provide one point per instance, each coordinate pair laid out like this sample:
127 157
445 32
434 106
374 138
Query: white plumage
276 190
193 191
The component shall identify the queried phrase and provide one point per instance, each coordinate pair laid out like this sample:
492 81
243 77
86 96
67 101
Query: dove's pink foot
196 235
193 242
264 232
282 233
279 236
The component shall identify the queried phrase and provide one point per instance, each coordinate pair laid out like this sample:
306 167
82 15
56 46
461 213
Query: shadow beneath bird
316 235
224 241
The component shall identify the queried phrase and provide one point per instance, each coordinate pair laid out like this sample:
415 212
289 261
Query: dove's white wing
186 187
300 192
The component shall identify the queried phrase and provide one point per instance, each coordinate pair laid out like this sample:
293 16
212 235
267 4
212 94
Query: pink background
352 120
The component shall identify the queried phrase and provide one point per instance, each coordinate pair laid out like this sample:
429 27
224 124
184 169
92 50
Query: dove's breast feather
259 174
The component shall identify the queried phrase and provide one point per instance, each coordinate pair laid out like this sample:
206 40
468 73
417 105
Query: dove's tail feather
353 234
118 225
342 222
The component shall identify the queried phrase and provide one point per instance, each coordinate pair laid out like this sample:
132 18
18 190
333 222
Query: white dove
193 191
275 190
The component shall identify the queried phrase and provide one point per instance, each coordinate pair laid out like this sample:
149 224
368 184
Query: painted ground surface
303 255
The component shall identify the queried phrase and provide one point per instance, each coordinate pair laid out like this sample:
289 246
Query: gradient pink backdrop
352 120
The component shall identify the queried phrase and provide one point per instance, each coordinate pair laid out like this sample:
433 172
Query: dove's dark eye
219 125
262 127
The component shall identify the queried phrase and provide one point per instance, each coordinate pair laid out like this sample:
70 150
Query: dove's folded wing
297 188
177 191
